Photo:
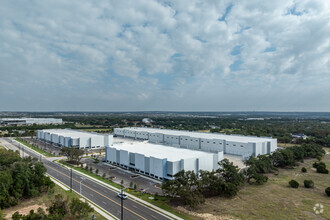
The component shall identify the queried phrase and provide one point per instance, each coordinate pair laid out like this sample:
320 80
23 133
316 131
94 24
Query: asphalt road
95 192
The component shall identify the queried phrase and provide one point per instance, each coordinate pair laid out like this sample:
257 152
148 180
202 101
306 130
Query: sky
150 55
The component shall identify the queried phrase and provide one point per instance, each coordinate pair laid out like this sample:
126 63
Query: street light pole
71 180
80 184
122 205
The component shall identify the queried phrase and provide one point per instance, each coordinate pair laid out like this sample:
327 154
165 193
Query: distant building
159 161
254 119
147 121
29 121
244 146
75 138
302 136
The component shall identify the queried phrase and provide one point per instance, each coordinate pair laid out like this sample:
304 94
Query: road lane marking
98 193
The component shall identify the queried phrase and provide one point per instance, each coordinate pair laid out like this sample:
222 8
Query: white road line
134 206
104 202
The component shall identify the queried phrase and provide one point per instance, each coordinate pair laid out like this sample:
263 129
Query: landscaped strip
161 201
34 148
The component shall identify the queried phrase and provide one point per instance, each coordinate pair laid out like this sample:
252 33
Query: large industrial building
30 121
244 146
75 138
159 161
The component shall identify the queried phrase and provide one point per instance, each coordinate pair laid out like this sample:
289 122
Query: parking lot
143 183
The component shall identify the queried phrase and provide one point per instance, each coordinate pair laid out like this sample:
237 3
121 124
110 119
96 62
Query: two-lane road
95 192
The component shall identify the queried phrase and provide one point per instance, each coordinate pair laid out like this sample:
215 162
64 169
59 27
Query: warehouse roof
71 133
160 151
235 138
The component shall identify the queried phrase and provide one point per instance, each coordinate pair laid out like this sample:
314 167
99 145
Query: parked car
122 196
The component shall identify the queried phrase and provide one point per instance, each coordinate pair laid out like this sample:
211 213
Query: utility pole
122 205
71 180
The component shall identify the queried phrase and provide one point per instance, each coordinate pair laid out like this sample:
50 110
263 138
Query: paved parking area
143 183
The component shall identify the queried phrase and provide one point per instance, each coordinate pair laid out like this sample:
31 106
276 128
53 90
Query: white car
122 196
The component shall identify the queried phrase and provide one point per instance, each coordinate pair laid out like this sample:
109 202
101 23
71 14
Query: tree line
191 190
21 178
60 208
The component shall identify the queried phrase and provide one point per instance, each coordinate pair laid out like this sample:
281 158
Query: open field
275 199
96 130
287 145
42 201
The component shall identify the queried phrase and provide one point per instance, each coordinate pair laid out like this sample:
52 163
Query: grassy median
34 148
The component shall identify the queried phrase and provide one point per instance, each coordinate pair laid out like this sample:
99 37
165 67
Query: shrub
321 168
104 175
294 184
304 170
316 164
327 191
308 183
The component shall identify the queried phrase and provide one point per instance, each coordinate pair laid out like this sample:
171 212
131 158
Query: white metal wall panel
156 167
124 160
139 162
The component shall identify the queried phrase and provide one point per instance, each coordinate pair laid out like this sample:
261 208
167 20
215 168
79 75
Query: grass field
35 148
287 145
275 199
97 129
42 201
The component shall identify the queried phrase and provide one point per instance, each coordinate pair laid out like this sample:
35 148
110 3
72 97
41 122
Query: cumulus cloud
165 55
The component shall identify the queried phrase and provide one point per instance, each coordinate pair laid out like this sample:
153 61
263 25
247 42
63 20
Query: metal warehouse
159 161
30 121
75 138
244 146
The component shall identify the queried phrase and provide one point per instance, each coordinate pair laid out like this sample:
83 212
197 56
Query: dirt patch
207 216
23 210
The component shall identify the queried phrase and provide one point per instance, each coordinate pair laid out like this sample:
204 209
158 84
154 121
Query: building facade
159 161
75 138
244 146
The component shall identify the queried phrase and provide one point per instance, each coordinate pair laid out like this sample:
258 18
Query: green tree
59 207
73 154
2 216
294 184
186 186
80 209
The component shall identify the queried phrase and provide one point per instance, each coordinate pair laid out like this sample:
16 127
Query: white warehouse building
75 138
159 161
244 146
30 121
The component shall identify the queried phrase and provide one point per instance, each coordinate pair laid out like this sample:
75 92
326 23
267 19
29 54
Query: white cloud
127 55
